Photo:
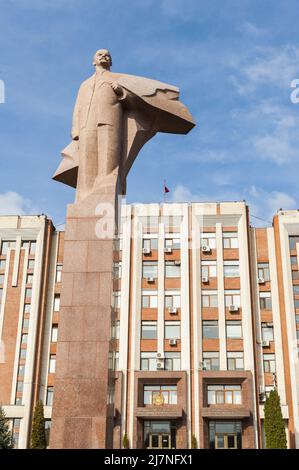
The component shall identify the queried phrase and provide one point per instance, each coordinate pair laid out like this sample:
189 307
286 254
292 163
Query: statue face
102 57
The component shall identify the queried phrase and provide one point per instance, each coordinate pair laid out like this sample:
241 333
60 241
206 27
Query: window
209 299
27 308
235 360
210 360
172 360
297 318
265 300
150 269
2 264
148 330
54 333
208 269
224 394
208 239
5 245
29 279
293 260
1 294
267 332
115 329
1 279
56 303
171 221
150 243
148 361
21 370
172 329
115 360
263 271
149 223
52 363
117 270
269 363
58 272
231 269
210 329
234 329
47 430
23 353
28 293
230 240
169 393
172 300
232 297
225 434
173 243
293 241
24 338
32 248
296 290
296 303
116 299
31 264
295 275
172 269
149 299
49 397
20 386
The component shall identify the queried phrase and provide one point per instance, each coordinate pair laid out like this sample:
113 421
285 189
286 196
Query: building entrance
159 434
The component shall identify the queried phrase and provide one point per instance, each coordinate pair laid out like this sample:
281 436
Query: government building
205 323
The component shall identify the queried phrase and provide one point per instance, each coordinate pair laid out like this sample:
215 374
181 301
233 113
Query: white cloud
252 29
12 203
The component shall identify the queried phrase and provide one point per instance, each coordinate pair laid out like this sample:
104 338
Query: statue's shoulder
143 86
88 82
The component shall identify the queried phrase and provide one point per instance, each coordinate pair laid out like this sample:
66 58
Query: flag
166 190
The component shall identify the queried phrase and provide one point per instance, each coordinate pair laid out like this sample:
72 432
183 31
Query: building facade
204 324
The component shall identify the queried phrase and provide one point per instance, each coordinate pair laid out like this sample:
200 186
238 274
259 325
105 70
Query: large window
231 269
269 363
234 329
230 240
235 360
172 329
54 333
224 394
150 269
232 297
172 360
148 330
5 245
293 241
172 269
210 329
56 303
153 392
267 332
208 239
265 300
49 397
150 244
209 299
117 270
58 272
149 299
150 223
172 300
208 269
225 434
263 271
52 363
210 360
148 361
172 243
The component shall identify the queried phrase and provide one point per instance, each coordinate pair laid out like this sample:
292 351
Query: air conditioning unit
160 365
177 263
160 356
168 249
146 251
265 344
261 280
233 308
173 342
206 249
205 280
150 279
261 389
173 310
262 397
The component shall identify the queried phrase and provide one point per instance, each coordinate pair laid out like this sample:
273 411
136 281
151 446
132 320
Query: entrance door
159 441
226 441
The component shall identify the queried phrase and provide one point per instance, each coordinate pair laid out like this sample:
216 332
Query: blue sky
233 61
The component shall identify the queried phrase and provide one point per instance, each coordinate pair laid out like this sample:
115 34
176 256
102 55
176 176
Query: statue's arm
76 124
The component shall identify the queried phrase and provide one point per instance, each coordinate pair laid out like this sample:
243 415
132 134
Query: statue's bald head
102 57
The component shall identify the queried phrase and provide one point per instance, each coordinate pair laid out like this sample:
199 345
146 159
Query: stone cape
153 107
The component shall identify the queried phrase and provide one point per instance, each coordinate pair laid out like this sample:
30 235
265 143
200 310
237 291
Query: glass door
159 441
225 441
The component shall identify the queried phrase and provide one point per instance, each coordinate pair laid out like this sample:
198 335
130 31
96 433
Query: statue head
102 57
